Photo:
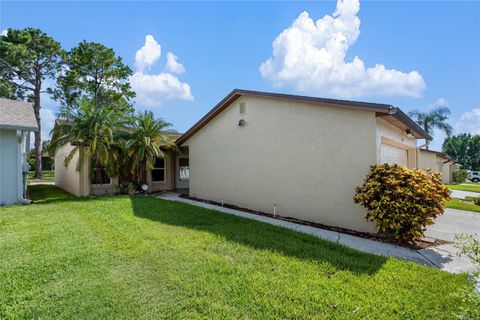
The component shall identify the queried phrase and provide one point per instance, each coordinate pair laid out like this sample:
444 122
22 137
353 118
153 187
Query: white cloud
47 121
172 64
147 55
440 102
153 89
311 57
4 32
469 122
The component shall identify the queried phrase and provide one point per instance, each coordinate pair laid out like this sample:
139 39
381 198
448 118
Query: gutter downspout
21 164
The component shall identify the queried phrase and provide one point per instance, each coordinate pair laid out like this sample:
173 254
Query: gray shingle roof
17 115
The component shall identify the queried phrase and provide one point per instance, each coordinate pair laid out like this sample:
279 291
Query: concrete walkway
35 183
462 194
440 257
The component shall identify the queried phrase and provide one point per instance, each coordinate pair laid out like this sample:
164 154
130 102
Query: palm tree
145 141
91 131
435 119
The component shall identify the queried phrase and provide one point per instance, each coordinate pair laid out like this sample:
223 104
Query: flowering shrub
400 201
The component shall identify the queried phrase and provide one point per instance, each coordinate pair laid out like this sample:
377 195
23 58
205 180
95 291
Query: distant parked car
474 176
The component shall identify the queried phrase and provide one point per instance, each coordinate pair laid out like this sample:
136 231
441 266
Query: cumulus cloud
4 32
310 56
469 122
147 55
172 64
153 89
440 102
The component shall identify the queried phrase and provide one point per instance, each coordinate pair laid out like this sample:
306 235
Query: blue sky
433 46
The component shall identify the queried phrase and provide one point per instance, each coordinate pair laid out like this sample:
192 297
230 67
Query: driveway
462 194
454 222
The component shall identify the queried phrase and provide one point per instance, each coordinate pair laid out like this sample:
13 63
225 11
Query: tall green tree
435 119
465 149
27 58
145 143
94 71
92 133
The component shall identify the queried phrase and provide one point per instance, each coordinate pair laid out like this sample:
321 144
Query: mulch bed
415 245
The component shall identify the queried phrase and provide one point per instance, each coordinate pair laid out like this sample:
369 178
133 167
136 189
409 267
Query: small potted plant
131 189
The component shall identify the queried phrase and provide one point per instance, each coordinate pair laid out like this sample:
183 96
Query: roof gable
380 109
17 115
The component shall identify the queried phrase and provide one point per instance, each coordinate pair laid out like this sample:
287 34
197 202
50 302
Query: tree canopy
28 57
435 119
94 71
465 149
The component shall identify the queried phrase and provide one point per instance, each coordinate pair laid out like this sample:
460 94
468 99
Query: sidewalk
441 257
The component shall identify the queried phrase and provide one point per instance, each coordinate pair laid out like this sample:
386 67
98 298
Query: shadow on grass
257 235
40 193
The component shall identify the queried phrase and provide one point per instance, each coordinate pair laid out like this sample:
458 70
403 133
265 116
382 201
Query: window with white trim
158 171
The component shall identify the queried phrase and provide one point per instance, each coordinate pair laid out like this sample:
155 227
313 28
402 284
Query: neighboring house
47 160
302 155
17 120
437 162
170 173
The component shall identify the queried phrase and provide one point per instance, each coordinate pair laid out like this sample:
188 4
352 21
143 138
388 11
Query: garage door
390 154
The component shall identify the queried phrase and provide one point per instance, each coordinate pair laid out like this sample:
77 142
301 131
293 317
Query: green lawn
473 187
48 176
141 257
42 193
455 203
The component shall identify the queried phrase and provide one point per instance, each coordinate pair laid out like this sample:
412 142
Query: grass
41 193
141 257
455 203
47 176
473 187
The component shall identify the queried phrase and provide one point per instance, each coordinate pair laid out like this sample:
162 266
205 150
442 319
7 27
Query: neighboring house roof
61 122
438 153
396 115
17 115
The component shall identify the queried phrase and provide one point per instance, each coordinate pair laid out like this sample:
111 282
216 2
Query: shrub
125 187
476 201
402 202
31 164
459 175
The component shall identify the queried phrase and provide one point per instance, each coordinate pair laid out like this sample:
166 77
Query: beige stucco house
170 173
436 162
302 155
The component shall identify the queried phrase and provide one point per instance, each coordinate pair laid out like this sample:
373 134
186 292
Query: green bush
402 202
476 201
31 164
459 175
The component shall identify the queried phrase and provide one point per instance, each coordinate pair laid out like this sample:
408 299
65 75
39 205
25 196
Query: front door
183 173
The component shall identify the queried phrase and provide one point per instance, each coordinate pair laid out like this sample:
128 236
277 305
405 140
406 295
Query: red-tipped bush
400 201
